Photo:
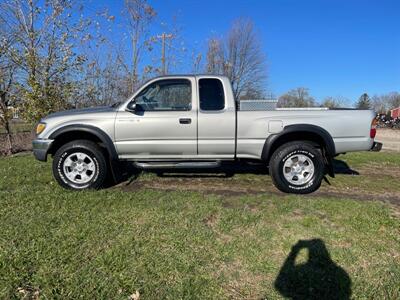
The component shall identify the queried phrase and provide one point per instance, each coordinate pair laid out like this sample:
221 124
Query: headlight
40 127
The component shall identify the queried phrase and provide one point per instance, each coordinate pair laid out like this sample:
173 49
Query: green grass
194 244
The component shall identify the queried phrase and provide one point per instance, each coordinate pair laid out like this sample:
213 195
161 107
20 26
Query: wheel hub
298 169
79 167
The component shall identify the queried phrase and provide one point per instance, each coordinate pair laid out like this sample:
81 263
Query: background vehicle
193 122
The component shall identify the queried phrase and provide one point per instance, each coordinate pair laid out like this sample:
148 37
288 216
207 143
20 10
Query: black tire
93 151
288 151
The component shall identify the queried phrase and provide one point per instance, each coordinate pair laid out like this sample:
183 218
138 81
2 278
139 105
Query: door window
166 95
211 94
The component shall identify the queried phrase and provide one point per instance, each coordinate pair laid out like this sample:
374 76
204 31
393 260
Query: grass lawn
201 237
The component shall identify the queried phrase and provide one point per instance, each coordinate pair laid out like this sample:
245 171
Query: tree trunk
9 145
5 122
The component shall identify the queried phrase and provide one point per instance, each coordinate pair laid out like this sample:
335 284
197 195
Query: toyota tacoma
191 122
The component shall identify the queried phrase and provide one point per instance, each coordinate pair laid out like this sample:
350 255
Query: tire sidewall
306 185
58 169
283 155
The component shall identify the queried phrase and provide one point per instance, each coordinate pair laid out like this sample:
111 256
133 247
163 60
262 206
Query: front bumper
376 147
41 148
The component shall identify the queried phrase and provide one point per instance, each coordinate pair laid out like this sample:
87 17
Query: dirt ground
257 184
390 139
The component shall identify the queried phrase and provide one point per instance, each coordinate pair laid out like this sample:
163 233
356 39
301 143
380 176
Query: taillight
372 132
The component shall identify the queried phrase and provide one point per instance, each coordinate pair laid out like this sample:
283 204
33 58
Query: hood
73 112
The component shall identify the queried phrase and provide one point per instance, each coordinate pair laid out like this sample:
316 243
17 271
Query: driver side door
164 123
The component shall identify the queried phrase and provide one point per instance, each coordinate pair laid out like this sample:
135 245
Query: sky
333 47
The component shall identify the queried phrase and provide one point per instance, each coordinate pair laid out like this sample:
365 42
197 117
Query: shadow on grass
318 278
127 171
341 167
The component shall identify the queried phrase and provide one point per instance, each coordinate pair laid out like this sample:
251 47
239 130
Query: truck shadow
317 278
129 173
341 167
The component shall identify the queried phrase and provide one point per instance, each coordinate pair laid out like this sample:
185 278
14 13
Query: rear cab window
212 97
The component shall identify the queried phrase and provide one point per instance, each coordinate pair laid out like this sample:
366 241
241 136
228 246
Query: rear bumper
41 148
376 147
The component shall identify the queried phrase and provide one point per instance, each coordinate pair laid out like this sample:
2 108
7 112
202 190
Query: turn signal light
40 127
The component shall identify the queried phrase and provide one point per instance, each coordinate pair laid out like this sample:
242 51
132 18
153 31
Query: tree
109 74
45 52
364 102
334 102
6 108
394 100
298 97
215 57
196 62
239 56
380 104
385 102
139 16
105 80
7 77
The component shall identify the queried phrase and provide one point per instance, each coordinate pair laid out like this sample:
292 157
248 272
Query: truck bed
350 129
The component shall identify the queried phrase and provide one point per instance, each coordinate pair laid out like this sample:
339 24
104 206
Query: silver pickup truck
176 122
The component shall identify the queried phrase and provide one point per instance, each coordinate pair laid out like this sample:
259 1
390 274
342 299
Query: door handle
185 120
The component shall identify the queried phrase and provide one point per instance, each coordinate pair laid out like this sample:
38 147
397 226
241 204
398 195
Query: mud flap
121 170
329 165
376 147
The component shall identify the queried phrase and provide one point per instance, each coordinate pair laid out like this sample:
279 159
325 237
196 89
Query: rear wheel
297 167
80 165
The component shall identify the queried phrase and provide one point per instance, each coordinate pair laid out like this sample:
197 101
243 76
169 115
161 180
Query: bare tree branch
239 57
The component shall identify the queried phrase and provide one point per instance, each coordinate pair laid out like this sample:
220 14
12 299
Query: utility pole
163 37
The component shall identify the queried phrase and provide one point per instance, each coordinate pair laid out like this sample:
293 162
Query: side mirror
131 107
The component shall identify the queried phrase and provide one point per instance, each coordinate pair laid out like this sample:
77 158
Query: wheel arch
304 132
69 133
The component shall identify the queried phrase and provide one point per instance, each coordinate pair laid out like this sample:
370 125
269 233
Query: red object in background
395 113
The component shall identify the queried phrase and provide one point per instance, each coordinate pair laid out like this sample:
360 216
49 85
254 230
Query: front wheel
80 165
297 167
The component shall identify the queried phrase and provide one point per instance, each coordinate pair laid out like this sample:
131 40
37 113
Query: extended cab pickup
194 122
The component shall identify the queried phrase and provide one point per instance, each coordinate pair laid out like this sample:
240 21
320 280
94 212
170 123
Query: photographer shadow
318 278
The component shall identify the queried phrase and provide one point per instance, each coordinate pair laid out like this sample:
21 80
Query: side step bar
177 165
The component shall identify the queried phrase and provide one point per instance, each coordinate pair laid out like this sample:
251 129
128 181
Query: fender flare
330 149
100 134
